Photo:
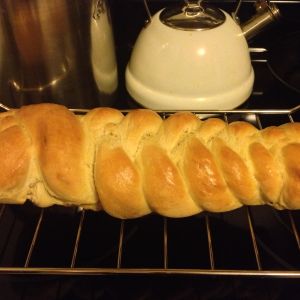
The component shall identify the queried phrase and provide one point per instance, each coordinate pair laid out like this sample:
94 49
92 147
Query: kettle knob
193 15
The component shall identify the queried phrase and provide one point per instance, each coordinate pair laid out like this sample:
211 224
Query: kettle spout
266 14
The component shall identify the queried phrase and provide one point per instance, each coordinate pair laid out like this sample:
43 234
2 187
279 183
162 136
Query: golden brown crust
236 174
119 184
136 128
61 150
291 130
209 129
292 184
164 188
14 161
207 186
135 163
273 135
241 130
117 151
266 172
176 128
96 120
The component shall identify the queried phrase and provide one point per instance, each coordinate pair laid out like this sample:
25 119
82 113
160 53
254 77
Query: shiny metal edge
257 50
233 111
4 107
141 271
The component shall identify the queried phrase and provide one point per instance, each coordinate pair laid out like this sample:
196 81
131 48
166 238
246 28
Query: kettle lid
194 15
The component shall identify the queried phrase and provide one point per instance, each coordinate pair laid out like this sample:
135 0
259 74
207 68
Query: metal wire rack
251 241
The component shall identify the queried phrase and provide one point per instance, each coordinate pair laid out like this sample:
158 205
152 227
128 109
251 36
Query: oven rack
289 220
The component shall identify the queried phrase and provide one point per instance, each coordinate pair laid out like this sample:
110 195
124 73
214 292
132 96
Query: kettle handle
260 5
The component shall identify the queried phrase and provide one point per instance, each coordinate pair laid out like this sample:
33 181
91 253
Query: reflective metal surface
194 15
59 51
266 14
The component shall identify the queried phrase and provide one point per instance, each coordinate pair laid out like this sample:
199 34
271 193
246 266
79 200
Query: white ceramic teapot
194 56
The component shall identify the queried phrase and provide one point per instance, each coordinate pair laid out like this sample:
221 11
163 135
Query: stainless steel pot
57 51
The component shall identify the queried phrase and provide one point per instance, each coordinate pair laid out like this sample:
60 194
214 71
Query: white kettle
195 56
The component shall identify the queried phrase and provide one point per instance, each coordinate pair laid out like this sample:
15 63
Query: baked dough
136 163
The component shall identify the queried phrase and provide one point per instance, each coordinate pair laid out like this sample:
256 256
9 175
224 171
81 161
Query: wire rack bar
75 251
225 117
165 113
4 107
141 271
120 247
34 239
294 228
210 246
165 244
235 111
291 118
2 209
258 121
253 238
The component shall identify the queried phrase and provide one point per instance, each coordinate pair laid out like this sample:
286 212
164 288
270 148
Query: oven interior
79 254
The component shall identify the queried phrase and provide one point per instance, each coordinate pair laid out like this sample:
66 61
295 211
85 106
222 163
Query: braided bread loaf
135 164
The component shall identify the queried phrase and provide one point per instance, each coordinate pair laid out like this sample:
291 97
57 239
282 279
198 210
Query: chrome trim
222 111
146 271
165 113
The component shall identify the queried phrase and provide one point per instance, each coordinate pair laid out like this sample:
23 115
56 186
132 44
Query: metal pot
57 51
